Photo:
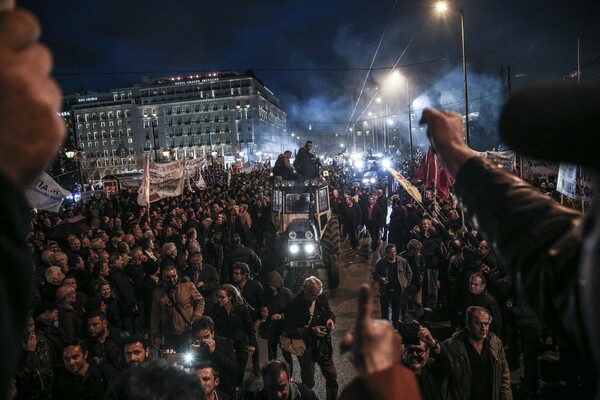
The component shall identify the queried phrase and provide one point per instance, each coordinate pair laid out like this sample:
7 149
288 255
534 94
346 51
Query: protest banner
575 182
161 181
533 168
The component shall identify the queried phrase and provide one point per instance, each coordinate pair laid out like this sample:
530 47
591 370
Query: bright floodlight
386 162
441 6
359 164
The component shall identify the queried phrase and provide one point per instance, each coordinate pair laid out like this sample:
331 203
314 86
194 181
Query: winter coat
461 378
236 325
276 303
403 272
164 316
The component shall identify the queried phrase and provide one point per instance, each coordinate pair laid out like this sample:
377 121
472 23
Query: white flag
144 190
46 194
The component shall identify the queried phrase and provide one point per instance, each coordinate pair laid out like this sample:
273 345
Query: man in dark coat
277 297
309 317
431 363
351 220
306 163
278 385
240 253
125 294
253 296
80 379
373 217
206 279
216 349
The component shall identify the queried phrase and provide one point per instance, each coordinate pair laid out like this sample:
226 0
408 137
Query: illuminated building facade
223 117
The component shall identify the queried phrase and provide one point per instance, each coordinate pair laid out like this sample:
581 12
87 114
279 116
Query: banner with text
507 159
46 194
534 168
575 182
161 181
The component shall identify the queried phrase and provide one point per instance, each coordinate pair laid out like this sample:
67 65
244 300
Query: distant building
220 116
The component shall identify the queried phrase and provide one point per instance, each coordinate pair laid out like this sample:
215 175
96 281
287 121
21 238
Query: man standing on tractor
306 163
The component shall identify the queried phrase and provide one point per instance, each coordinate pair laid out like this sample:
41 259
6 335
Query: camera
200 346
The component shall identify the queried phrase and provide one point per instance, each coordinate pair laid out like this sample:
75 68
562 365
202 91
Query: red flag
431 172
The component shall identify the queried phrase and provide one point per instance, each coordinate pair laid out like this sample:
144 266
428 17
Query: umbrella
69 226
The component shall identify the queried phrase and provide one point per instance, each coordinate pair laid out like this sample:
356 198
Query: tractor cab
302 221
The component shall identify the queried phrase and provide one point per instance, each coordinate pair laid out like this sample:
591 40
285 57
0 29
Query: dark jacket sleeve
248 325
538 240
123 288
442 366
224 356
15 282
296 317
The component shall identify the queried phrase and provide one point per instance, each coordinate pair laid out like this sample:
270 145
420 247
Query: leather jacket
164 316
538 240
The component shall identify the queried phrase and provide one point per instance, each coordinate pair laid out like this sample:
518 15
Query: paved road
355 269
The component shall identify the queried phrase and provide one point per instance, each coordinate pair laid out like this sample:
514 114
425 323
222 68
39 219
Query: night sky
315 55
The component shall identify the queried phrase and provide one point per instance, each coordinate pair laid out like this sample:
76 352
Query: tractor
306 235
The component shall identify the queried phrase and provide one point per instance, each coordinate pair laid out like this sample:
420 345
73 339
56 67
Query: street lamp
441 7
76 155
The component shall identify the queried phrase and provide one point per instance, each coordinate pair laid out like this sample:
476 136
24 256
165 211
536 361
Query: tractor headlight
373 180
309 248
292 235
365 180
294 248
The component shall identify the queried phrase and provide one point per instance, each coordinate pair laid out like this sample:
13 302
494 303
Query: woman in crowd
232 319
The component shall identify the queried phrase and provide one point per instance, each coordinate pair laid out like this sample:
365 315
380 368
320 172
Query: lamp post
396 76
76 155
442 7
154 137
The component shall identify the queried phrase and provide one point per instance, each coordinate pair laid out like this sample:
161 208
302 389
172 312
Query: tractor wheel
331 251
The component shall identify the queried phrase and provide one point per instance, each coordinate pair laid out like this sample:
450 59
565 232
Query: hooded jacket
276 303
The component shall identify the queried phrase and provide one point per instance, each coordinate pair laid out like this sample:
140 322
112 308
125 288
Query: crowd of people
185 275
109 296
